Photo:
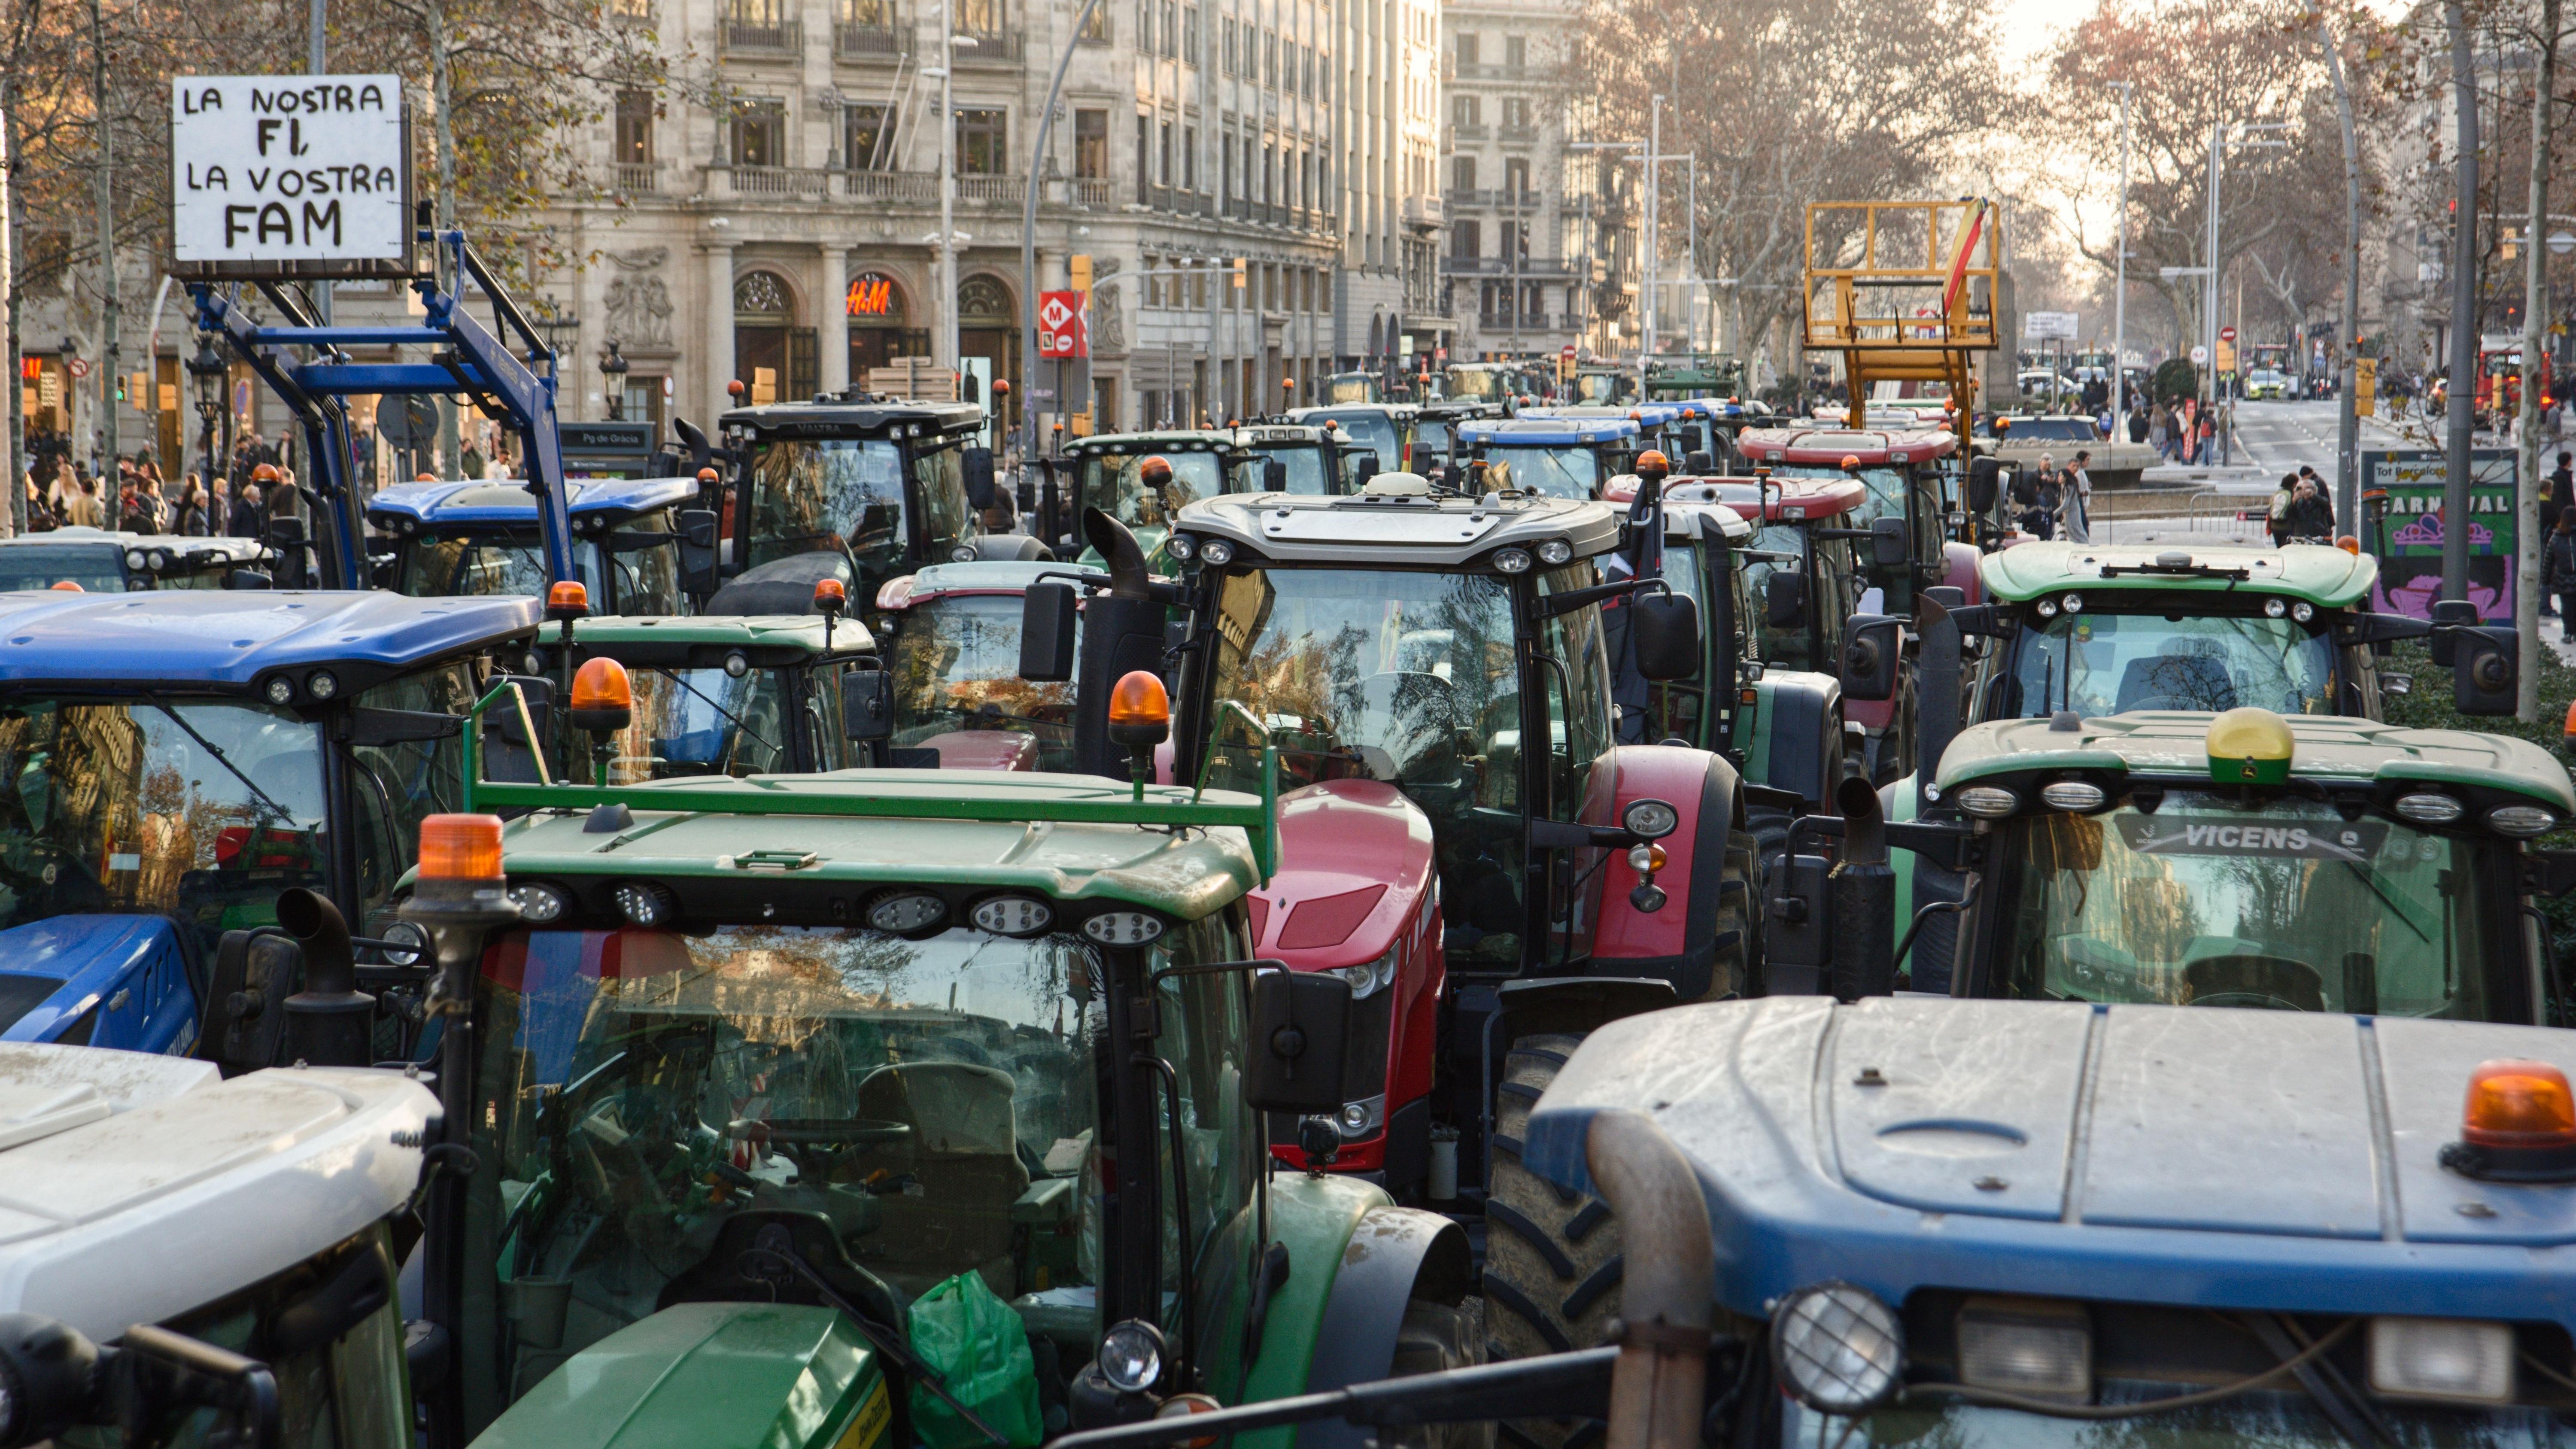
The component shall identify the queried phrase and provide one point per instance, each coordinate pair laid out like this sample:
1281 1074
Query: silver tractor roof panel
1399 529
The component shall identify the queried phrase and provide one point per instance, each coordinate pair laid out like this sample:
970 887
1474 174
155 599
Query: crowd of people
63 492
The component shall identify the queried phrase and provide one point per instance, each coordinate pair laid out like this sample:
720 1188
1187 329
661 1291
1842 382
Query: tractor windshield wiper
765 741
217 751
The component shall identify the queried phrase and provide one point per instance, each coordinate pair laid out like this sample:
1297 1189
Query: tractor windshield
99 568
642 557
809 494
956 663
1476 384
1370 428
199 810
1564 472
2098 663
1114 483
1886 489
2278 902
929 1107
704 722
1303 464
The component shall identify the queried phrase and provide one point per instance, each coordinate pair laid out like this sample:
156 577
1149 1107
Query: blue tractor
476 539
174 763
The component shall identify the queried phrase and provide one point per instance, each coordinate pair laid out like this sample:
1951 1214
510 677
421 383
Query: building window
1516 113
1229 45
1515 51
983 142
1163 172
1190 34
1462 173
1516 175
1171 28
1515 240
1091 145
867 14
1269 169
864 138
1144 158
1466 49
980 17
1095 26
1270 57
635 128
1466 110
759 133
1190 157
1466 239
762 299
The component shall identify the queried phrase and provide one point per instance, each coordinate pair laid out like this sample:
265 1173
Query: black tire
1738 969
1552 1258
1433 1337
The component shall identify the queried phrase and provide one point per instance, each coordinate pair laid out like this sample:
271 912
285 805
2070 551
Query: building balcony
760 39
1527 268
1494 197
996 49
1091 193
769 181
1423 213
865 42
915 187
1572 321
1516 135
635 178
1467 131
1004 190
1512 321
1490 71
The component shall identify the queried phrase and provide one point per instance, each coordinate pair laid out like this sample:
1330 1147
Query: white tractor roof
134 1188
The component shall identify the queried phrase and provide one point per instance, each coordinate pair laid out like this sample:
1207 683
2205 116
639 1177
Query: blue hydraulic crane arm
324 418
467 358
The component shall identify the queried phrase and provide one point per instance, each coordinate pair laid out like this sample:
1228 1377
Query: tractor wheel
1434 1337
1739 920
1552 1257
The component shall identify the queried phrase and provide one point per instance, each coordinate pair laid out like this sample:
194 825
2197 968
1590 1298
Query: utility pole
2535 372
1029 242
2463 388
17 481
451 455
2119 268
2347 375
316 62
107 379
947 282
2209 281
1652 258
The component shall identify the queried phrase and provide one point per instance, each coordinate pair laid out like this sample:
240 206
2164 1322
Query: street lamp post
207 367
2120 269
612 373
1029 234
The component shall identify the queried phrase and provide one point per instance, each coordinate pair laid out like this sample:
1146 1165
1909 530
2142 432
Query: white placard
2048 326
288 169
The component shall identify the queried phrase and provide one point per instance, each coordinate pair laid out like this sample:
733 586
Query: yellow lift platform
1919 298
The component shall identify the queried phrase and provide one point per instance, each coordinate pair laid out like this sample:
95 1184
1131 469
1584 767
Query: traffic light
1078 268
120 387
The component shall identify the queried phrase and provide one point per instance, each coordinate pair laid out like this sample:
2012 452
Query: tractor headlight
2442 1358
2274 608
2076 795
2303 612
539 904
1181 546
2034 1347
645 903
135 560
2075 603
1555 551
736 664
1372 978
2428 808
1987 802
1131 1356
280 690
322 684
1012 915
1512 560
1838 1348
1650 819
1216 553
907 912
2521 820
1123 928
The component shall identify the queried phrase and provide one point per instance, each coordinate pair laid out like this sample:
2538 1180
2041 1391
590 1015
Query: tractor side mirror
254 579
1274 475
509 751
243 1026
1890 546
2485 670
867 705
1046 633
1784 600
978 464
1363 468
1697 463
1300 1020
1872 648
2449 617
1027 492
698 552
1665 630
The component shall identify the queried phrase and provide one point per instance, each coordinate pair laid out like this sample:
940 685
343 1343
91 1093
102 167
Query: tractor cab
1555 457
1707 377
729 695
1483 384
1435 433
958 693
1314 459
1909 477
1387 429
1603 385
774 1074
1342 389
1107 471
480 539
158 791
892 485
100 562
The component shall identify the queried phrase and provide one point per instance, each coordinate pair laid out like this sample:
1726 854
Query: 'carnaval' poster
2409 541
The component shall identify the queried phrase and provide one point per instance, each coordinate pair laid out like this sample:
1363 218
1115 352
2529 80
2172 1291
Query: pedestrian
2045 494
2277 515
2137 420
188 515
2558 571
2078 514
2309 518
244 521
2160 432
2208 439
82 509
2325 495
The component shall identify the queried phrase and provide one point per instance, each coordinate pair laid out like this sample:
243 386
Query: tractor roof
183 638
181 548
1393 410
2220 1159
141 1186
2169 744
1782 500
1394 528
851 417
1274 435
1685 519
1547 432
1828 447
2327 577
692 641
1187 872
1175 439
994 577
437 506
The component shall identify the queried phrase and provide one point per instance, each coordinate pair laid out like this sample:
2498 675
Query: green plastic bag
977 1345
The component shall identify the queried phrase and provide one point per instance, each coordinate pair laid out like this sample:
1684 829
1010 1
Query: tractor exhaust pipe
1659 1383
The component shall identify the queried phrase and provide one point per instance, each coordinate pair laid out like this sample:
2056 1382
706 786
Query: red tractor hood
1354 860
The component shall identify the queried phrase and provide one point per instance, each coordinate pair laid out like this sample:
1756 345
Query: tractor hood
780 1376
58 967
2209 1157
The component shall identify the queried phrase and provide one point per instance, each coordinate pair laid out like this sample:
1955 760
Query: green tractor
895 1106
1108 471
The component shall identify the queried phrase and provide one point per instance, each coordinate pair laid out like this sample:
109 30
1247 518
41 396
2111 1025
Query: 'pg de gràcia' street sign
289 176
